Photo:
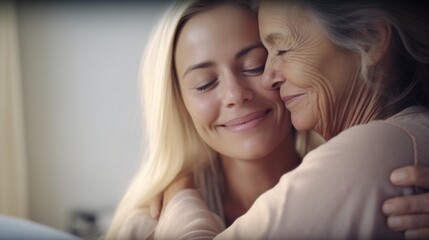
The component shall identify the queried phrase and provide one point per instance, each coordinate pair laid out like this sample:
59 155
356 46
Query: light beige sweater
336 192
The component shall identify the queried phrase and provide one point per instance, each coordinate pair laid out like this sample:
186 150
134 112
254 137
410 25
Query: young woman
207 113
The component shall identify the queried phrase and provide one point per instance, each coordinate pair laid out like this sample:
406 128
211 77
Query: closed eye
254 71
281 52
206 87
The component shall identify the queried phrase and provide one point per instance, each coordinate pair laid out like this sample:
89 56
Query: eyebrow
238 55
199 66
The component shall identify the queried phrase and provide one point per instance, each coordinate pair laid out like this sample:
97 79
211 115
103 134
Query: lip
290 98
247 121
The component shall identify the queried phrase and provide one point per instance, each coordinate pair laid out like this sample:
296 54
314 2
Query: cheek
304 73
319 88
203 111
321 96
313 77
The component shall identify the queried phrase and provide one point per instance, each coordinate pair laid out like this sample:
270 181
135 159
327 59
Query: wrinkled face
315 76
219 61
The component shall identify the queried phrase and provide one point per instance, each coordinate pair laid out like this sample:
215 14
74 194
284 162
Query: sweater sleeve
188 217
336 193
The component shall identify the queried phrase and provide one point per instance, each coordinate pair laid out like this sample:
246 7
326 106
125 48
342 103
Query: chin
252 157
259 151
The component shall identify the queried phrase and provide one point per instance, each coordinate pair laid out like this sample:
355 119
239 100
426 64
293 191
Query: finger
407 205
408 222
155 205
411 176
417 234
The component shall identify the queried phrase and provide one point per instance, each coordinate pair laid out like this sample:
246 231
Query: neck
246 180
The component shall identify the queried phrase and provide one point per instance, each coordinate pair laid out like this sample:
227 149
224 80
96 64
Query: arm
335 193
410 213
190 217
182 203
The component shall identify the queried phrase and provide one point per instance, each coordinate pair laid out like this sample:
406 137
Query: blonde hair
174 146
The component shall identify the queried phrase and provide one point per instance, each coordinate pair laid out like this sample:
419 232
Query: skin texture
319 81
219 61
289 39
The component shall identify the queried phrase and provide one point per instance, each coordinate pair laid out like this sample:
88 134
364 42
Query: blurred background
70 124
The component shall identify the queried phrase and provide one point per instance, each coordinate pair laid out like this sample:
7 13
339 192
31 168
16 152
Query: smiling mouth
247 121
289 99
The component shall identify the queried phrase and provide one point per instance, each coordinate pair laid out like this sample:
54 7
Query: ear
380 32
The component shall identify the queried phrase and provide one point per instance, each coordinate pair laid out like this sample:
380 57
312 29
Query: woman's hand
409 213
161 200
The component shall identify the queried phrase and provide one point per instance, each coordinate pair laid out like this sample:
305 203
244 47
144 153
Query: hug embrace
283 119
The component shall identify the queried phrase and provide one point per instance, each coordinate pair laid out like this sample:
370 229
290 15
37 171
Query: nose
237 92
272 78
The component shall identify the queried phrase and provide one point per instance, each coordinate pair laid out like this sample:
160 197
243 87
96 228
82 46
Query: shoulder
397 135
361 157
374 136
413 120
374 141
398 141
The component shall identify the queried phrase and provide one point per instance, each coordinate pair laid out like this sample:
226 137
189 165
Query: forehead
283 19
222 25
225 19
223 30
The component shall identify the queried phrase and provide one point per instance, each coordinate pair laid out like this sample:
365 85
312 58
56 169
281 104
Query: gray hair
407 84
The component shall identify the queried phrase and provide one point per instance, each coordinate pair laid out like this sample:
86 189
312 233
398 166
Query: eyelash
252 72
255 71
205 87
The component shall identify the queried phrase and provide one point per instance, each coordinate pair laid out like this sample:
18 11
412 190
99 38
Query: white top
336 192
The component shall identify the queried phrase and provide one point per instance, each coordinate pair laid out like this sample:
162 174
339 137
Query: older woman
357 73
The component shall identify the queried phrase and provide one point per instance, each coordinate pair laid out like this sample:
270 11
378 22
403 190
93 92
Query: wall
80 63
